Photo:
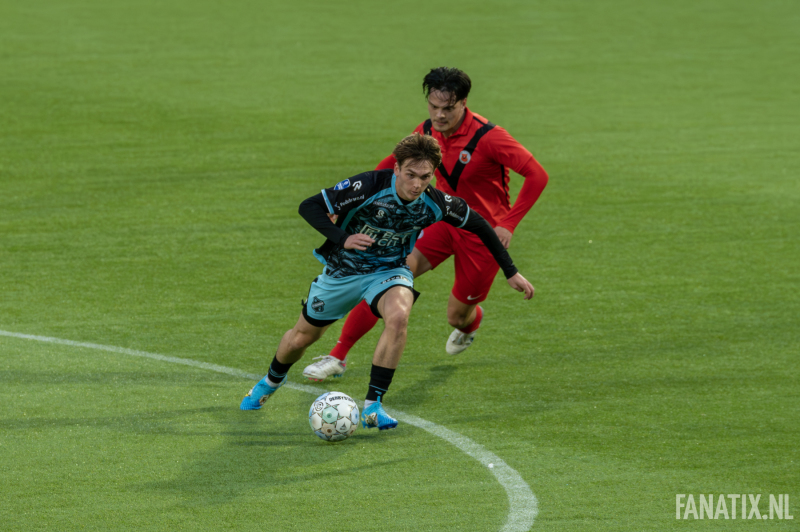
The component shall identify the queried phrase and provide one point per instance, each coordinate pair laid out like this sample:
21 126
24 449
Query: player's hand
521 284
333 217
504 235
358 241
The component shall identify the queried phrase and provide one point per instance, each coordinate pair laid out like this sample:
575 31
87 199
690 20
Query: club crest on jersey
464 157
341 185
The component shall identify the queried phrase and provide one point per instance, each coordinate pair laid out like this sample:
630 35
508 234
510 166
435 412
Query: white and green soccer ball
333 416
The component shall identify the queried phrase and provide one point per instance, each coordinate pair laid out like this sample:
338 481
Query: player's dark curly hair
416 147
452 81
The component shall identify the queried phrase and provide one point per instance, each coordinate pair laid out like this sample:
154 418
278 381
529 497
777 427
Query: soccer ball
333 416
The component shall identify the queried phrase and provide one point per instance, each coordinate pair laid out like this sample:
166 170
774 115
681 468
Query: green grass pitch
152 158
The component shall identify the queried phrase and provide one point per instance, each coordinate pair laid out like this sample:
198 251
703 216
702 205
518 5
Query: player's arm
458 214
505 150
317 210
475 223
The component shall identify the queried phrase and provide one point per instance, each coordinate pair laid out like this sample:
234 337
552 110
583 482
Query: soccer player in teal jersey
477 156
379 215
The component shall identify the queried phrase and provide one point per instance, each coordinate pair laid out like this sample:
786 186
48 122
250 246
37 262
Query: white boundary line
523 505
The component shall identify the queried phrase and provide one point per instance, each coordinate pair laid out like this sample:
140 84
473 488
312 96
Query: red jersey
483 180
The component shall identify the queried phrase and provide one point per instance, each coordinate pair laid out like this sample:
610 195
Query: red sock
360 321
472 327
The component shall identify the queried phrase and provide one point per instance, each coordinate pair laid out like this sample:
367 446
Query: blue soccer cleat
259 394
375 416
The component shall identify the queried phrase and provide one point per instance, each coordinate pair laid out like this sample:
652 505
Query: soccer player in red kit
476 158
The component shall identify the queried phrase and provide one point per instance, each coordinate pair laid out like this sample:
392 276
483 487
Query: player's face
412 178
446 114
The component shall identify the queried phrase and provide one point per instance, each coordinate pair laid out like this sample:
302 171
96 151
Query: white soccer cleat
324 367
459 341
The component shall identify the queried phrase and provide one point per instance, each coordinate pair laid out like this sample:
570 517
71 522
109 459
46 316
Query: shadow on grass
424 389
256 459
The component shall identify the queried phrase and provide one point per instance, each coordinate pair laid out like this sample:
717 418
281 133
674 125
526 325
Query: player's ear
396 169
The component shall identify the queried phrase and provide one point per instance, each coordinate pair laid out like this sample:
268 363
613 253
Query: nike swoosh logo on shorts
471 298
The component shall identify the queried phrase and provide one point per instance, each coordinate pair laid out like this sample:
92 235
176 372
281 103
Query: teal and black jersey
368 203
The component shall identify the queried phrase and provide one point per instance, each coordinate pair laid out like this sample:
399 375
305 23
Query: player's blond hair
416 147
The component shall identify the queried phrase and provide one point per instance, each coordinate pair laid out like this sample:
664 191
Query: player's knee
458 320
397 321
299 340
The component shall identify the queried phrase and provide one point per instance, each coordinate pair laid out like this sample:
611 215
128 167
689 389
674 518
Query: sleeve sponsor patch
347 194
456 211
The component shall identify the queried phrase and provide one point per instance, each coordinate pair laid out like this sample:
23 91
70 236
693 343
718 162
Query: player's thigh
418 263
395 306
475 271
434 246
391 291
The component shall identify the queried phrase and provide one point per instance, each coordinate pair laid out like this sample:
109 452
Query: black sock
379 381
277 371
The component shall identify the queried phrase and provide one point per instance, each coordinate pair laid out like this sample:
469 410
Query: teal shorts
330 299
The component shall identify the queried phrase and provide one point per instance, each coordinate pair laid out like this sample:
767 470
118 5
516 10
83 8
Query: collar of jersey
465 126
397 198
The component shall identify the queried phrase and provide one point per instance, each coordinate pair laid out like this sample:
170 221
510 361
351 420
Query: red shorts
475 265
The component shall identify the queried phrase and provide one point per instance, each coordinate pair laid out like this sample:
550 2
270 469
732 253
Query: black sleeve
351 193
457 213
315 212
475 223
